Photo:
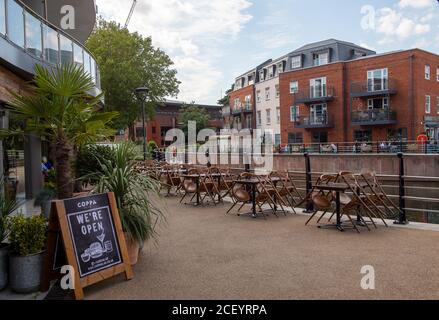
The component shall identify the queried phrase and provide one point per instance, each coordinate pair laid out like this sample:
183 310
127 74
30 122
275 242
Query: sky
213 41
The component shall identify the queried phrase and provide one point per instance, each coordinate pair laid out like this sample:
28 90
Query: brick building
167 116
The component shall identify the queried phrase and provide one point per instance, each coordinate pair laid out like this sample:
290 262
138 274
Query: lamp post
142 94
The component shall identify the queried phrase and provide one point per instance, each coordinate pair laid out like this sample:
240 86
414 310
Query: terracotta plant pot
133 249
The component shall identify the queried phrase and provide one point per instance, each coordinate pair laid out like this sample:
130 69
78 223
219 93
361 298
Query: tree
192 112
128 61
60 109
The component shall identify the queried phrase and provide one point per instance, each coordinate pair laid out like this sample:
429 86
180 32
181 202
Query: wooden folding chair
189 186
239 194
322 200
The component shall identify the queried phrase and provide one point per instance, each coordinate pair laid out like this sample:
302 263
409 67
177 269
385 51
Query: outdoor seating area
342 201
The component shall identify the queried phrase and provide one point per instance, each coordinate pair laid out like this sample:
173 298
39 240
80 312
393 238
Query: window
271 72
238 84
294 87
319 137
277 91
317 87
280 68
295 137
261 75
397 134
153 130
258 119
87 67
296 62
363 135
427 104
427 72
267 94
93 69
320 58
294 113
377 80
250 80
34 44
437 74
277 139
437 105
278 115
379 103
268 114
237 103
78 54
319 114
66 46
2 17
15 23
258 96
50 37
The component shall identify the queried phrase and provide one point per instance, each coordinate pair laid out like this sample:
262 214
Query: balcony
314 122
320 94
373 117
28 40
369 89
242 110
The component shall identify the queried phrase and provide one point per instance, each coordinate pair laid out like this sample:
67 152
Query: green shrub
89 159
27 235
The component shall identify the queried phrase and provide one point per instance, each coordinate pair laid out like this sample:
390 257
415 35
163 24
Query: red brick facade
406 98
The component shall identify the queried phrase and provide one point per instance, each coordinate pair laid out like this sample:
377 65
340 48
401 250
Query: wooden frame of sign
94 242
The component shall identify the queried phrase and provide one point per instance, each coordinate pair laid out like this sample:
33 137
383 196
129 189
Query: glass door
318 87
318 114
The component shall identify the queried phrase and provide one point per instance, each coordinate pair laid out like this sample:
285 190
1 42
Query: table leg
254 200
197 182
338 211
275 198
219 191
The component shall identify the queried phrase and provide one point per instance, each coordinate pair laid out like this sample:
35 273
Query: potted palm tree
7 206
27 237
136 196
61 110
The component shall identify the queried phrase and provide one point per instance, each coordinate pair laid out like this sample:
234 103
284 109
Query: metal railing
366 88
391 147
373 117
314 122
323 93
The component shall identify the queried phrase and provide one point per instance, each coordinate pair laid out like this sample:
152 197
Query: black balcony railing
314 122
243 109
372 88
315 95
373 117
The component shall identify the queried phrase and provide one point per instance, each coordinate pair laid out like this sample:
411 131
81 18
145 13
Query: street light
142 95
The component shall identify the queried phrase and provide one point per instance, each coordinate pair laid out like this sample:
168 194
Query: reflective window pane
66 49
78 54
15 23
50 44
87 62
33 35
2 17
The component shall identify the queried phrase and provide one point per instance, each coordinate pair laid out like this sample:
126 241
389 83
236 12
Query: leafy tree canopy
128 61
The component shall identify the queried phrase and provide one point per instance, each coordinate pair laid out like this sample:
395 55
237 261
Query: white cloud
365 45
417 4
392 23
192 32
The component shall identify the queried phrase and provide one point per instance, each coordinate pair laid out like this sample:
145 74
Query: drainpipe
413 120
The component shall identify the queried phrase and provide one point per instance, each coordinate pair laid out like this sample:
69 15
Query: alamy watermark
230 147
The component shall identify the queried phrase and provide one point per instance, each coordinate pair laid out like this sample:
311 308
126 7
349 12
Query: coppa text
84 204
90 222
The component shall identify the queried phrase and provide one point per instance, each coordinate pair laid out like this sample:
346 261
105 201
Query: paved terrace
204 254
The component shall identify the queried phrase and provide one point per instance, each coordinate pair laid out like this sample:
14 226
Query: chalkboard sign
93 234
93 239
